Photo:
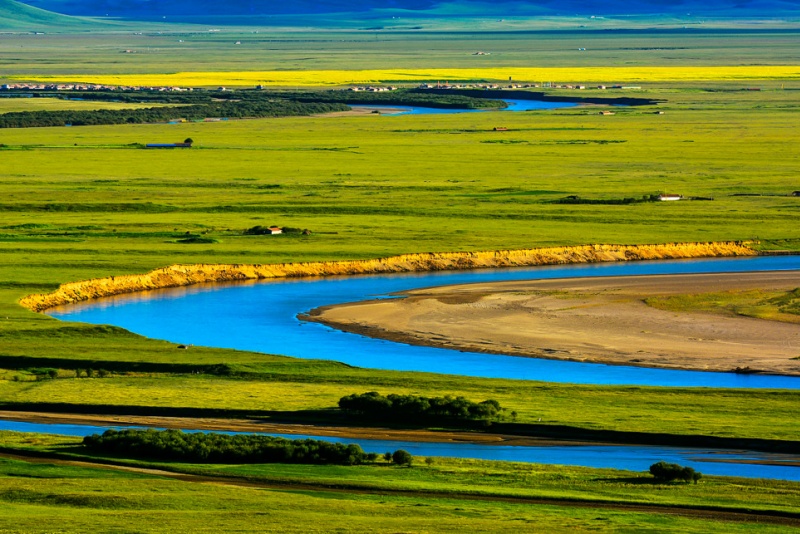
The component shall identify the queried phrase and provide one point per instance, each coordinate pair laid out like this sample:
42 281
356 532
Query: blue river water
262 317
632 458
513 105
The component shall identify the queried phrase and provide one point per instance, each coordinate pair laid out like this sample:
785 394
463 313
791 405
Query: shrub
413 408
44 372
401 457
667 472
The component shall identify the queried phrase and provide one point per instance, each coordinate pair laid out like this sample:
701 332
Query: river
513 105
262 317
632 458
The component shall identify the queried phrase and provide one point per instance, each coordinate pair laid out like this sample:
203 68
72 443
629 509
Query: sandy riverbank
601 320
185 275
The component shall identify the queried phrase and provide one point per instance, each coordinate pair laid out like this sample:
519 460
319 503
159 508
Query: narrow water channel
632 458
513 105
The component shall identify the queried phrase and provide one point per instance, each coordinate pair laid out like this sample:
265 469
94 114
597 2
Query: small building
666 197
606 112
272 230
500 129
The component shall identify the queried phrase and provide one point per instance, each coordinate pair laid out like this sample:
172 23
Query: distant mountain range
16 16
149 9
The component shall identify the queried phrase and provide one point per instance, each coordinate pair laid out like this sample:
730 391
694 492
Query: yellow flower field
605 75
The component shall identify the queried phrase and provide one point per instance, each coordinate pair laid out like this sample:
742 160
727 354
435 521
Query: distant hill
149 9
18 17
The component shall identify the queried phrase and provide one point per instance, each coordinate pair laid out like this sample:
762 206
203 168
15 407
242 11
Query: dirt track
592 319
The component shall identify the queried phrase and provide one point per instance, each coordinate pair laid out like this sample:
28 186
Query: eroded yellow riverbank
184 275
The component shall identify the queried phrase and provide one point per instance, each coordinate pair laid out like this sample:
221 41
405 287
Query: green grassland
83 202
469 495
10 105
81 499
772 305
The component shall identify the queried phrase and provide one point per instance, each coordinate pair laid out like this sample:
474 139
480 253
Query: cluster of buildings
545 85
372 89
90 87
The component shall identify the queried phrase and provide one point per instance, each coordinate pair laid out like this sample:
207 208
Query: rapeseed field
604 75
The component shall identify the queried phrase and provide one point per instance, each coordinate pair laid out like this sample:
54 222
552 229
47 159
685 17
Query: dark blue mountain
158 8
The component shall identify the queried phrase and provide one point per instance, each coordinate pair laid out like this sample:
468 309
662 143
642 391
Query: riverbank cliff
184 275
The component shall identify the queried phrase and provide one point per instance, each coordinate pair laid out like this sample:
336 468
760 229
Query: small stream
627 457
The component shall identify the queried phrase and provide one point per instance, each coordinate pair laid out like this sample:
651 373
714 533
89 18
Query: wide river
262 317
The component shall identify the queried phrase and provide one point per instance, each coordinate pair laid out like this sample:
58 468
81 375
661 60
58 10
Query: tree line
400 97
407 97
198 112
413 408
201 447
246 103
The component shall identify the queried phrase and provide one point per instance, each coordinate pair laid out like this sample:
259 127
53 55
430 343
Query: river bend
262 317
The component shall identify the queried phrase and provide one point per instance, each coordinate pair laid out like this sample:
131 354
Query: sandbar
601 320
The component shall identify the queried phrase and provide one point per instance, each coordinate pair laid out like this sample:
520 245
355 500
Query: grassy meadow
771 305
41 497
442 496
82 202
11 105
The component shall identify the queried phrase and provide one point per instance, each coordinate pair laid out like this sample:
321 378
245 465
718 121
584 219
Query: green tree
401 457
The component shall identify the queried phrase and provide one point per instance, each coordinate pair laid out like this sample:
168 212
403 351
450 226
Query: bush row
413 408
176 445
234 110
